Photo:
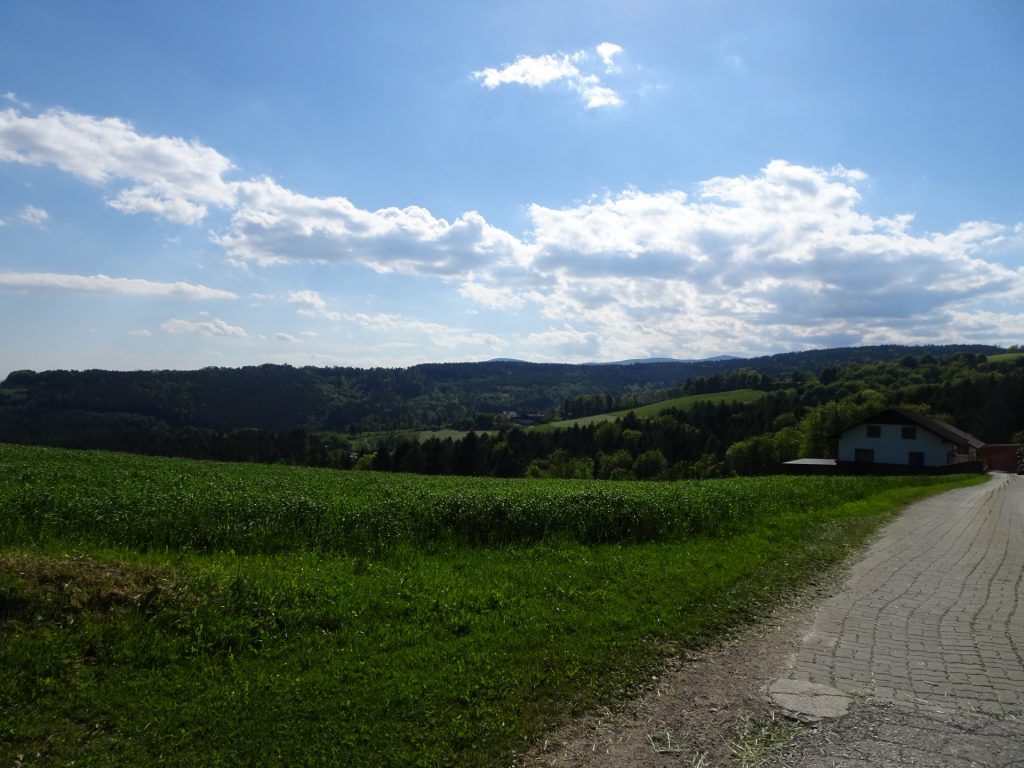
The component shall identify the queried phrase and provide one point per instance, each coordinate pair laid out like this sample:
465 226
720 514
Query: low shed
1003 457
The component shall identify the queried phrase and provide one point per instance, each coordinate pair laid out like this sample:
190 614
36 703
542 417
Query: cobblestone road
928 634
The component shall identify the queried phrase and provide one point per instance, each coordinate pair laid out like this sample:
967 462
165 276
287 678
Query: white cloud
34 216
608 52
440 335
275 225
122 286
285 337
597 95
568 342
535 71
215 327
12 97
492 296
141 332
546 69
784 257
167 176
312 304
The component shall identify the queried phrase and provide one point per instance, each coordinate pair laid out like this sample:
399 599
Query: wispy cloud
312 304
12 97
30 214
439 334
215 327
123 286
572 69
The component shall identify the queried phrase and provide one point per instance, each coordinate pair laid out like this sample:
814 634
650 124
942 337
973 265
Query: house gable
899 437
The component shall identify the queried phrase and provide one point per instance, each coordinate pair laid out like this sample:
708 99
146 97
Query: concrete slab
808 702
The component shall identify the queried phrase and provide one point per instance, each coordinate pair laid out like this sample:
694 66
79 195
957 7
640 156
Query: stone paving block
925 614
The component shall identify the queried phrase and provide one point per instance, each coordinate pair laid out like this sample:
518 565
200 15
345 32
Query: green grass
653 409
192 613
1006 357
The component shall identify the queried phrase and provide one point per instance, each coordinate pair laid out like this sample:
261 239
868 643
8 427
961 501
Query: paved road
927 635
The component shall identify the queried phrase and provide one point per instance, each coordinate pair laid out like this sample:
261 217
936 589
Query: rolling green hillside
653 409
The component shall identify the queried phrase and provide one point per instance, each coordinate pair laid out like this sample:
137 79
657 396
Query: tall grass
168 612
146 502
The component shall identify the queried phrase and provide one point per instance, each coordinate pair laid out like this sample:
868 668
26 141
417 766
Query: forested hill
351 400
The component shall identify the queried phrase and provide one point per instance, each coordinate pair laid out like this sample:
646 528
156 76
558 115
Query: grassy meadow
653 409
164 611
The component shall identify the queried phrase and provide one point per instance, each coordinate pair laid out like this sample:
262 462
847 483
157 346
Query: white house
904 438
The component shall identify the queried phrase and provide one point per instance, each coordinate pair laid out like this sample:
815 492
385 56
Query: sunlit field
195 613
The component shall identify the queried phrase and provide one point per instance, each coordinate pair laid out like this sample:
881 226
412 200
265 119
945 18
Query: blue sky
389 183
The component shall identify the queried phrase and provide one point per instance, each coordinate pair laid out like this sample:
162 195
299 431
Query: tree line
800 414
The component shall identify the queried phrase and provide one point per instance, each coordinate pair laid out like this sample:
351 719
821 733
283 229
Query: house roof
941 428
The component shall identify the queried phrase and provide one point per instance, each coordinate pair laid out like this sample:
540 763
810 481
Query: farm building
902 437
898 440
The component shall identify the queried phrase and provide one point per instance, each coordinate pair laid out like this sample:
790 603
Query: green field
653 409
1005 358
164 611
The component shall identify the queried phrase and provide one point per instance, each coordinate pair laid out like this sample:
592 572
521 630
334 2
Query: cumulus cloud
285 337
166 176
568 68
782 258
122 286
785 255
215 327
34 216
275 225
536 71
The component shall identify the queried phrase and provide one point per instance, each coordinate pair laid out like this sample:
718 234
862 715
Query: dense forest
464 396
310 415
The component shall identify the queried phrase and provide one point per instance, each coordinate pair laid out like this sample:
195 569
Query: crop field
164 611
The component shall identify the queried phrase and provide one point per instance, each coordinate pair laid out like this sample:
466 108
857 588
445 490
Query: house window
915 458
908 433
874 430
864 456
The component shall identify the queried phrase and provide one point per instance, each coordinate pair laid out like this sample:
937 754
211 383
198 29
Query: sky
386 183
